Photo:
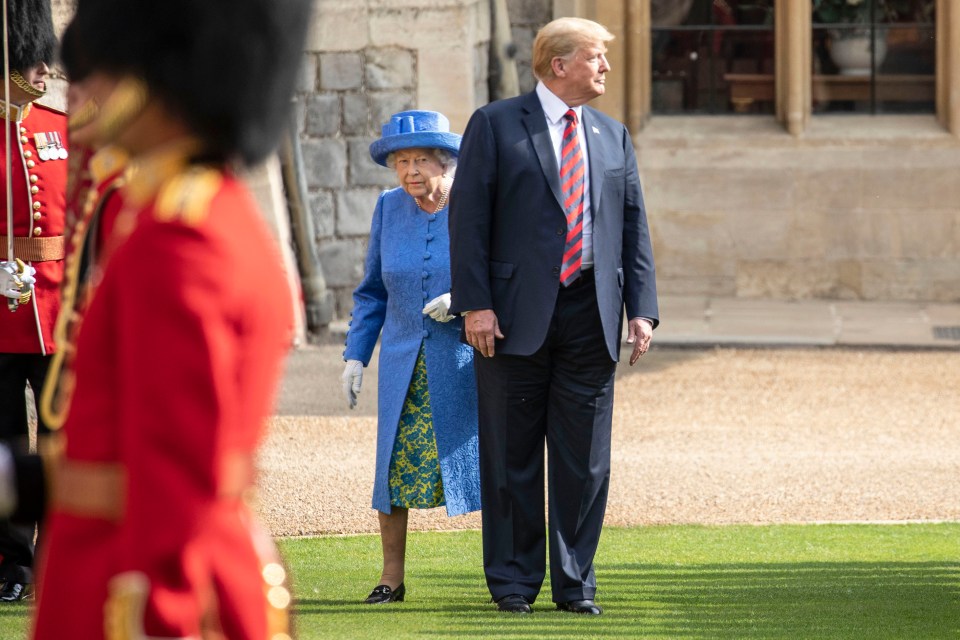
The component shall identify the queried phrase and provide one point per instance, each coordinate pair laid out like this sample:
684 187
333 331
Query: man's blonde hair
561 38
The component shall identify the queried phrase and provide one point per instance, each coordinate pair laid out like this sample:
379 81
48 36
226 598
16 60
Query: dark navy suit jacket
508 228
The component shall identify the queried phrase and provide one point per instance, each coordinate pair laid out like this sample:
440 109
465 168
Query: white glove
352 378
16 279
439 308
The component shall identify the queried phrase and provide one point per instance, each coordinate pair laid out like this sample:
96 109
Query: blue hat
414 129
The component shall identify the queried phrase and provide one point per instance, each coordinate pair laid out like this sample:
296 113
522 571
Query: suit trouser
563 393
16 369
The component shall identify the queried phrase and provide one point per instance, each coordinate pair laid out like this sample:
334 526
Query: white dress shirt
554 109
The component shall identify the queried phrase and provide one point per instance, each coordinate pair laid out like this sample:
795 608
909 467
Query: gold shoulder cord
186 197
58 385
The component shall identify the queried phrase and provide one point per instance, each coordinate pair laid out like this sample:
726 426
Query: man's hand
639 334
482 329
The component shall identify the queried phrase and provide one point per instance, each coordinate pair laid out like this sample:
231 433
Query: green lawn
816 581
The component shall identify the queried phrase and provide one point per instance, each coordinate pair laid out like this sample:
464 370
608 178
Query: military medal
52 153
61 149
43 150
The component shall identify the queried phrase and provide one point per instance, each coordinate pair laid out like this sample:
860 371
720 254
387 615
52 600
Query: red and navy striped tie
571 186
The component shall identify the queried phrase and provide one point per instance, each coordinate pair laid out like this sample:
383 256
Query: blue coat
407 265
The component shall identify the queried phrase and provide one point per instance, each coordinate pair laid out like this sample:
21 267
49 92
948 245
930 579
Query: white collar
554 107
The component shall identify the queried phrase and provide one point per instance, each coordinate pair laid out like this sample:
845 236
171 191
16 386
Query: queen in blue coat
427 419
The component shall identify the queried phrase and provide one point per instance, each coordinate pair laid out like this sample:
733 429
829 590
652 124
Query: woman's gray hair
444 157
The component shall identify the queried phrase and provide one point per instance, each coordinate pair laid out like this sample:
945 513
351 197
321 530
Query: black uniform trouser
562 394
16 369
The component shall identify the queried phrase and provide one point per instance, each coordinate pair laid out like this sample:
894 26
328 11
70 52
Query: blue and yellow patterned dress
415 481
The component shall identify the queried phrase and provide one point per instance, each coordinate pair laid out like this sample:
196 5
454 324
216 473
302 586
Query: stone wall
365 60
526 18
864 208
62 11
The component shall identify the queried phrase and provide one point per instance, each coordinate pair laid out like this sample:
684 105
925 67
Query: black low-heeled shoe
382 594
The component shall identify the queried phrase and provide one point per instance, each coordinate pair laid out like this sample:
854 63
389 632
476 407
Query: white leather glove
16 279
439 308
352 378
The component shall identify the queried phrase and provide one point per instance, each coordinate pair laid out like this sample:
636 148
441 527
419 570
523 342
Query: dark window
712 56
874 56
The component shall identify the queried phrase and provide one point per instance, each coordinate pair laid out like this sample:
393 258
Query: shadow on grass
884 599
16 609
789 600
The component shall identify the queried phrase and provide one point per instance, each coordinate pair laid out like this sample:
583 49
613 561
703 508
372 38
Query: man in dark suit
549 244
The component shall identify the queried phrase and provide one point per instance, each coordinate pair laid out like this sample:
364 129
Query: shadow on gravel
657 359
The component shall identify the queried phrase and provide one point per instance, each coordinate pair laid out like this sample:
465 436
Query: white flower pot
851 52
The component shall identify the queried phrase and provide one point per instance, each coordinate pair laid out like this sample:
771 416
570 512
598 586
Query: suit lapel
536 123
594 132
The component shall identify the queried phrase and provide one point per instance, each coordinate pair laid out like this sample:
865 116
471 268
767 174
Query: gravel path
711 437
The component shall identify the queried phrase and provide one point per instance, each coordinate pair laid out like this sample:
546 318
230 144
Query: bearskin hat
227 68
30 34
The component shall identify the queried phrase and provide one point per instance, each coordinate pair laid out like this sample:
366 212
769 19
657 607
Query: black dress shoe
383 594
15 592
514 603
586 607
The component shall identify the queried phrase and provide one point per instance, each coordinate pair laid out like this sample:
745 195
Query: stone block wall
366 60
526 18
62 12
858 208
345 97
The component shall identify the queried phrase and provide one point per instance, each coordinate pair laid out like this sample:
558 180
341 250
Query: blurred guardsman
175 361
37 174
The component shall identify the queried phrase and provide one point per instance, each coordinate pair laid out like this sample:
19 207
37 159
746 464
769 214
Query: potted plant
860 12
856 42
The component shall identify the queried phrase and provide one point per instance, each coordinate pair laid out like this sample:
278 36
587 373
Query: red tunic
177 362
39 203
